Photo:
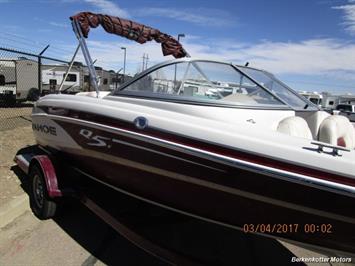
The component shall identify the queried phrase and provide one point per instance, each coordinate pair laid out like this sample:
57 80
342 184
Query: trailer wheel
42 206
33 94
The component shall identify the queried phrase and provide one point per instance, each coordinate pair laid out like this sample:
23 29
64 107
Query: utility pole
146 62
143 62
124 62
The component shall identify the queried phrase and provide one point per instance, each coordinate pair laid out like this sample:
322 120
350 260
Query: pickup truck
347 110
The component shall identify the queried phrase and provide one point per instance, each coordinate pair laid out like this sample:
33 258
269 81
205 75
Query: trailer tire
33 95
41 204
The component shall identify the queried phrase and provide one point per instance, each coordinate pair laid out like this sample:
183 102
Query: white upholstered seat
295 126
337 130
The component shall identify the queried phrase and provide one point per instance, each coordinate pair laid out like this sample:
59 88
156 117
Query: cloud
110 55
52 23
316 57
199 16
348 16
327 57
11 28
56 24
108 7
44 30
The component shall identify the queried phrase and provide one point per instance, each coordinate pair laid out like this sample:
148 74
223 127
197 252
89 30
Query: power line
16 41
20 37
27 41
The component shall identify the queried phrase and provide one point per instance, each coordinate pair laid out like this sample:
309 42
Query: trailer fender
49 174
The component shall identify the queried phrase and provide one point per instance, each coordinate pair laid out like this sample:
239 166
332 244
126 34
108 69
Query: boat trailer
45 188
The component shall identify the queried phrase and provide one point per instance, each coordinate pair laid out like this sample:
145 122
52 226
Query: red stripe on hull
212 148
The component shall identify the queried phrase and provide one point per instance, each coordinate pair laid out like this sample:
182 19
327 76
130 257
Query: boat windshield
203 81
278 88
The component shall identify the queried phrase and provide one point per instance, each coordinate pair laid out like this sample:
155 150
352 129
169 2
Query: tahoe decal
45 129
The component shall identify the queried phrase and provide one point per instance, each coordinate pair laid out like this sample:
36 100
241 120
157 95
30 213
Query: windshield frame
120 90
307 102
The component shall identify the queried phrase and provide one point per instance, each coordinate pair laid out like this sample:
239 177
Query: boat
225 143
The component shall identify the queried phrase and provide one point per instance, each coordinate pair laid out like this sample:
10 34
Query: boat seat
337 130
295 126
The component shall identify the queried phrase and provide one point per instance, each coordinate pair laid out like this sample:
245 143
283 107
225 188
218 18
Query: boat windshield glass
202 81
277 87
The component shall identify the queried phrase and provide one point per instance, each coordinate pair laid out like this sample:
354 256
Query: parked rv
330 102
53 75
18 80
313 97
105 80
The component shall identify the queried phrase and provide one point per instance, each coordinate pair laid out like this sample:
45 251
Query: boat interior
235 95
313 125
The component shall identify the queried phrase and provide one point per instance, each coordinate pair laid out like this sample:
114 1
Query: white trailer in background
314 97
330 102
104 77
18 80
77 80
53 75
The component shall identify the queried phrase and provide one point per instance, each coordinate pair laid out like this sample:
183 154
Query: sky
308 44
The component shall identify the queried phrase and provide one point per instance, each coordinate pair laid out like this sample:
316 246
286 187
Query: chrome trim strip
273 172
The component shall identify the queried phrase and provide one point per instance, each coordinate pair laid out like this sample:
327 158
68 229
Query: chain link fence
24 77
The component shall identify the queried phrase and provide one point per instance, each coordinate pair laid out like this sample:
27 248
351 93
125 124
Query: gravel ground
11 118
15 133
